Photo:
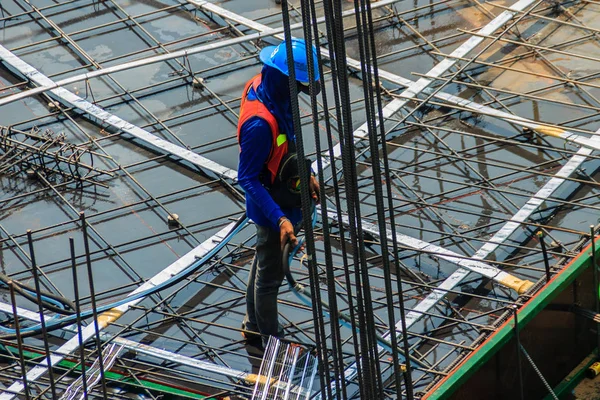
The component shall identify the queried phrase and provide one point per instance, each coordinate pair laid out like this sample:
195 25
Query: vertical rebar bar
540 236
539 373
36 280
78 313
88 262
304 171
595 289
515 310
13 301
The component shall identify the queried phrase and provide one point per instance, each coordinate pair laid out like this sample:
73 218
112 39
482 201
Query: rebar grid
478 191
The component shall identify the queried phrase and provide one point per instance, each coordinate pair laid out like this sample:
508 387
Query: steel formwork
491 123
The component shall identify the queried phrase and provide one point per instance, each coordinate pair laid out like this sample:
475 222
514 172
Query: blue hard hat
276 57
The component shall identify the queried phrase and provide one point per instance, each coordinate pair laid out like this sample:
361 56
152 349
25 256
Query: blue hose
58 322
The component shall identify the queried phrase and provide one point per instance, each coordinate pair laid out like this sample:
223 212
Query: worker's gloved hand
286 232
314 189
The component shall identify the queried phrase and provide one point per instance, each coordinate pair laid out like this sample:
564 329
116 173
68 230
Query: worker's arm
315 193
255 144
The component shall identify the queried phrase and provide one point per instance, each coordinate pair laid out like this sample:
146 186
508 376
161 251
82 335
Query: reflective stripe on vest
281 139
254 108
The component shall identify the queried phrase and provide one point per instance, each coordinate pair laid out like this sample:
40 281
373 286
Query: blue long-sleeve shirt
255 143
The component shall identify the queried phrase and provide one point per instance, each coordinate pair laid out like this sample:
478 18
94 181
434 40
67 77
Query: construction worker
268 173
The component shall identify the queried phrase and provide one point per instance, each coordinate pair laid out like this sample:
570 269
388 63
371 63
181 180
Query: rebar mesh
477 166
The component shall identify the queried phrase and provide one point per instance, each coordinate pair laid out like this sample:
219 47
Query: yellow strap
281 139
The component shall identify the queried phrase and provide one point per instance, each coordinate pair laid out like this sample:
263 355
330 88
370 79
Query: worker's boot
250 331
251 334
280 335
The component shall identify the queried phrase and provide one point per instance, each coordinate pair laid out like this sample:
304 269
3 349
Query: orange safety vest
254 108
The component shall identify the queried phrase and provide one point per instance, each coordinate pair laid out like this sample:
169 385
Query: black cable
30 294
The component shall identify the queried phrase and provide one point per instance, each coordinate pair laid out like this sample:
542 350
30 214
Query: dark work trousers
266 276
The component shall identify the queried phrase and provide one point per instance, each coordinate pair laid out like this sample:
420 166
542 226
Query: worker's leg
268 279
249 322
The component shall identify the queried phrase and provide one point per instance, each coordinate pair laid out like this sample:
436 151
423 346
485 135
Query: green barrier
498 339
111 376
